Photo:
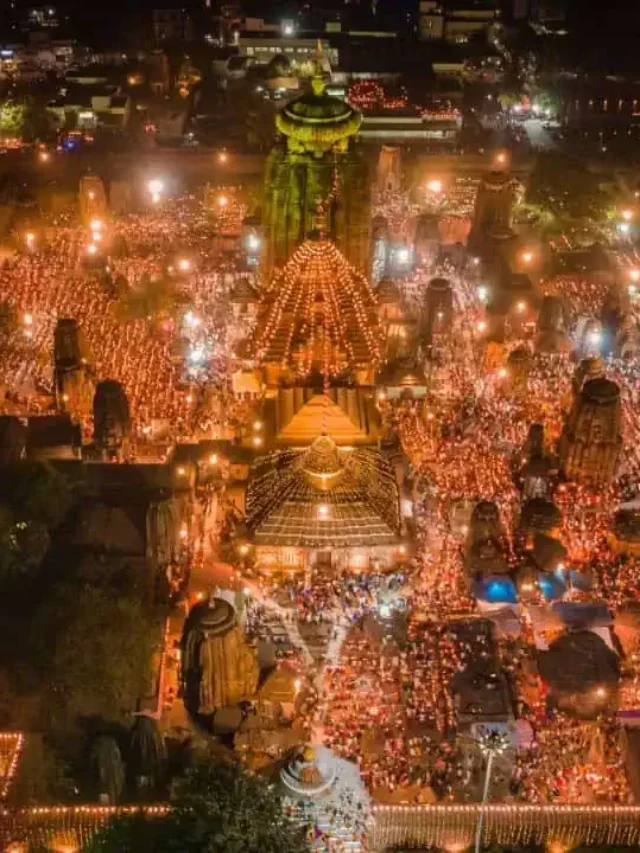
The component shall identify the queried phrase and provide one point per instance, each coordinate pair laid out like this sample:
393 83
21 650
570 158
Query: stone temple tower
497 195
316 180
591 441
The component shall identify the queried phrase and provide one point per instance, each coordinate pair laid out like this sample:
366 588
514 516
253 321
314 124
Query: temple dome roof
600 391
322 464
317 120
309 773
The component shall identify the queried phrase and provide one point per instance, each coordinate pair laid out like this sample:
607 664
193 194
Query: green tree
216 808
564 186
27 118
100 663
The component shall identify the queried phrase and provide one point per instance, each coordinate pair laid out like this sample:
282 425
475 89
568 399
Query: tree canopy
216 808
26 118
564 186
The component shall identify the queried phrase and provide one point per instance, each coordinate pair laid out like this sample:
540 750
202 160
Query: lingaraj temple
324 494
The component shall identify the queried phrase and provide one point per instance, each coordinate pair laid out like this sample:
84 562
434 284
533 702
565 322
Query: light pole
491 744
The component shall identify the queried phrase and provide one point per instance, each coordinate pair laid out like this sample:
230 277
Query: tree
34 499
27 118
216 808
563 185
100 664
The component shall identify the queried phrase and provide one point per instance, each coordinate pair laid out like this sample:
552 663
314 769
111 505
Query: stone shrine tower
591 441
316 181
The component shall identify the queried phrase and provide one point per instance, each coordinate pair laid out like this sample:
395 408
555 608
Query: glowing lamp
527 257
435 186
624 227
155 186
181 471
482 292
521 307
500 158
191 320
44 156
482 326
92 195
595 337
244 550
29 238
627 214
223 157
323 512
253 243
197 355
601 692
257 426
223 201
92 249
634 274
28 319
502 372
96 225
213 459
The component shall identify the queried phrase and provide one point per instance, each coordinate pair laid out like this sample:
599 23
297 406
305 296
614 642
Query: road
538 135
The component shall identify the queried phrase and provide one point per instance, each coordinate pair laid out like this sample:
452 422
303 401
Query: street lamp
491 743
482 293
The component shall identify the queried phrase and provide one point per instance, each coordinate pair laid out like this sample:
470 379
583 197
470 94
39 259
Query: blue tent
497 589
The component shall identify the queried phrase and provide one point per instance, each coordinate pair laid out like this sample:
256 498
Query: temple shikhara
359 438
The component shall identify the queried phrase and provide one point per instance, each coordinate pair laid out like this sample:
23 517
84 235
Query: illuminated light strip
7 779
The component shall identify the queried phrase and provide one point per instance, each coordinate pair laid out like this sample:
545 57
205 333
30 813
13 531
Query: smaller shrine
74 384
111 420
591 442
219 669
326 793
